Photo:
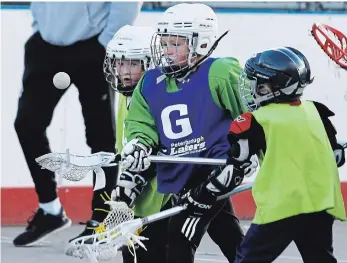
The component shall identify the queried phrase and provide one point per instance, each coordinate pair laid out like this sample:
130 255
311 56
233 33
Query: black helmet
285 69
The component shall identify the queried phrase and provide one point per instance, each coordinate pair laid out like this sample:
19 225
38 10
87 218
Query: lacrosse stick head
120 212
332 41
74 167
119 229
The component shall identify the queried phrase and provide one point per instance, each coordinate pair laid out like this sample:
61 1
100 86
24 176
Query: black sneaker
40 226
99 214
91 225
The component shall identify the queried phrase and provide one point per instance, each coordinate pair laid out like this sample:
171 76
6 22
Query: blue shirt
64 23
189 123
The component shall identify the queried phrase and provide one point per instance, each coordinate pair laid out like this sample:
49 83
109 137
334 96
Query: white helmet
196 22
129 43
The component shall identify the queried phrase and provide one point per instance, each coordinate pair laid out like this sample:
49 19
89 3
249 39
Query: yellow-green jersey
298 174
150 201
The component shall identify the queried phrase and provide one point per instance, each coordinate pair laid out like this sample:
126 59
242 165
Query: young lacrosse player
128 57
297 190
184 107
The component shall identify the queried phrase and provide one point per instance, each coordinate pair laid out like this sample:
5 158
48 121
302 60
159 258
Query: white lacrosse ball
61 80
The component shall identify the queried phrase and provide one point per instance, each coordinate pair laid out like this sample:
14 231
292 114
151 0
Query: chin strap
214 46
203 58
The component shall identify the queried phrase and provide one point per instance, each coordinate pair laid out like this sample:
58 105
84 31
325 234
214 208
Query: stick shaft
178 159
161 215
193 160
176 210
237 190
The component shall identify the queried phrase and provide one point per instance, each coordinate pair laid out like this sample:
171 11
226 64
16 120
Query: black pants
156 245
83 61
226 232
312 234
221 224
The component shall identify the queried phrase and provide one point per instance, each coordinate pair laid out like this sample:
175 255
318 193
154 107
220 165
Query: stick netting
73 167
105 243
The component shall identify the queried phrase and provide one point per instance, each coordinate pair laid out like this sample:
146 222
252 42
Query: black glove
129 187
198 201
224 179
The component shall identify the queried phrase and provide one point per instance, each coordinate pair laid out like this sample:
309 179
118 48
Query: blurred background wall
253 26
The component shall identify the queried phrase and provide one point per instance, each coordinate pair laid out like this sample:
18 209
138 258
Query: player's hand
340 154
250 166
197 201
224 179
129 187
135 156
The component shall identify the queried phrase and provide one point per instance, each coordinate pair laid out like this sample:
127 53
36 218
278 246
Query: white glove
250 166
135 156
224 179
129 187
340 153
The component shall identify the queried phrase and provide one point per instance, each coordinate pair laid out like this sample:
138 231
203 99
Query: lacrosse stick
103 246
76 167
332 41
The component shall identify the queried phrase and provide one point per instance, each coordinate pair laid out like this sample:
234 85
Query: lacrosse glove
129 187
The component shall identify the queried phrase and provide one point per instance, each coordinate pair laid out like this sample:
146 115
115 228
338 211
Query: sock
54 207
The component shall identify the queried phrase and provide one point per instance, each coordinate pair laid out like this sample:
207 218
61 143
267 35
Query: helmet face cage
252 93
174 54
247 87
124 74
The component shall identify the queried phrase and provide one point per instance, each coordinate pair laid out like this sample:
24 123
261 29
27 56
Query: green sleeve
139 122
223 80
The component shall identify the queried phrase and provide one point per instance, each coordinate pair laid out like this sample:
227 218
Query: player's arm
141 133
139 122
223 79
246 137
325 113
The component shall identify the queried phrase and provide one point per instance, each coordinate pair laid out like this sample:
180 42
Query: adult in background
68 37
